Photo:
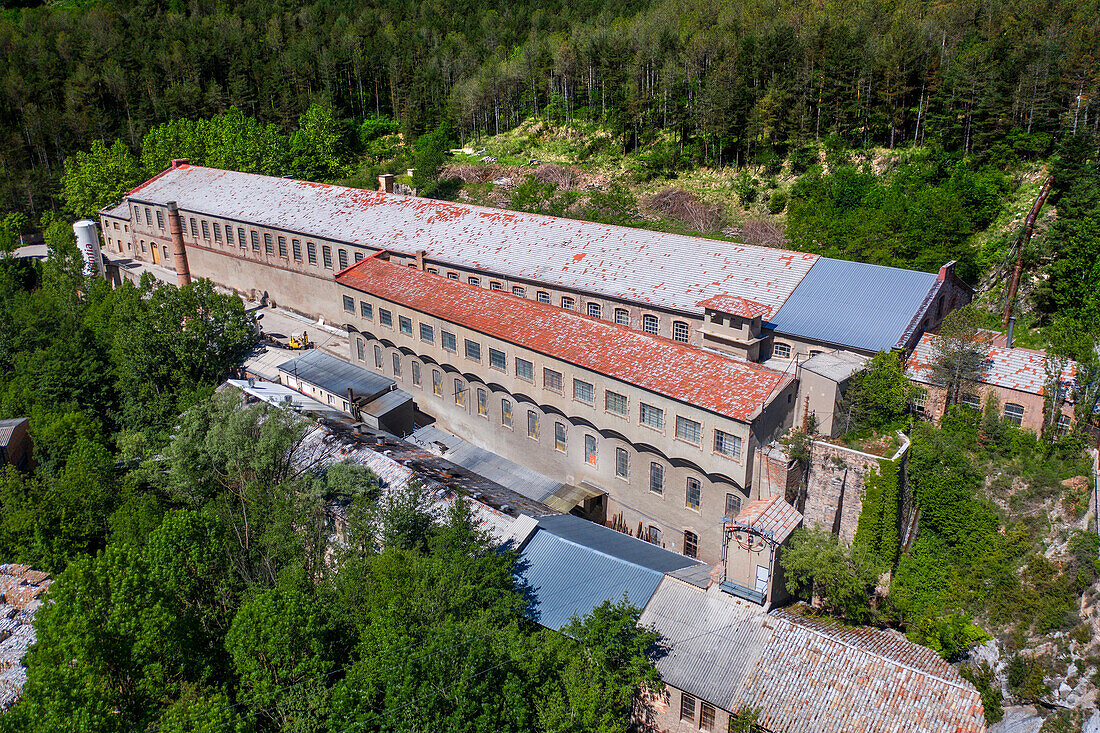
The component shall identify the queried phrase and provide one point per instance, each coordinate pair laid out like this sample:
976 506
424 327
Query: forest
717 82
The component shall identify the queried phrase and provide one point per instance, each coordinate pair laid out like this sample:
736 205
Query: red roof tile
729 387
1023 370
772 515
736 305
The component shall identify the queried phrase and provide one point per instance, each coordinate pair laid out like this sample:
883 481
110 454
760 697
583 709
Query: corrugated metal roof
1023 370
565 579
854 304
658 268
774 516
531 484
805 674
282 396
8 426
616 544
722 384
336 375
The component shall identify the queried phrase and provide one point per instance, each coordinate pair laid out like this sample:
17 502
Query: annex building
642 370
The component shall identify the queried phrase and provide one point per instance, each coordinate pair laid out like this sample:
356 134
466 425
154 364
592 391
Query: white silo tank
87 240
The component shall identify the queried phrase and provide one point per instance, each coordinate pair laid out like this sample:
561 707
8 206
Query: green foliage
951 636
983 678
11 226
317 148
816 563
877 529
99 177
1025 677
877 399
744 720
429 154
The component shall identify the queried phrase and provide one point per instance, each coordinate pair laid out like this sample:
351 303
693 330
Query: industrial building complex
575 379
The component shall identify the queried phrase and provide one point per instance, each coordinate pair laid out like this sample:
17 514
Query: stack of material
21 591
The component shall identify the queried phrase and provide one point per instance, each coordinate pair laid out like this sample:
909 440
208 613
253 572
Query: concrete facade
552 427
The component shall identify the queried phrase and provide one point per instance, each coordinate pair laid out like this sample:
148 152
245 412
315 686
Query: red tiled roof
1023 370
772 515
717 383
736 305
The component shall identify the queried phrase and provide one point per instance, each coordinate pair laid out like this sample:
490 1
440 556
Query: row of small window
707 711
688 430
1013 412
681 331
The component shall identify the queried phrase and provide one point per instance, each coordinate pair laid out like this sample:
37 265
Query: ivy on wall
877 529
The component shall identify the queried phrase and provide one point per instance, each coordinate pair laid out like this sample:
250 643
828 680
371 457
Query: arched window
622 316
1014 413
781 350
595 310
650 324
680 331
691 543
568 303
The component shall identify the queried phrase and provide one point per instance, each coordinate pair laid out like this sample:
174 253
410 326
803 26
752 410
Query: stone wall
833 495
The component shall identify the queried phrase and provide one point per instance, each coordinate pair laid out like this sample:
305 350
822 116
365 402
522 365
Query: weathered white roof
1023 370
664 270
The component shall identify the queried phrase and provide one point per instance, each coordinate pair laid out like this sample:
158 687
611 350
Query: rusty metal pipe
179 253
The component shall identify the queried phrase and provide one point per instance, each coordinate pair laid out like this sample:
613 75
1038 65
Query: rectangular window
366 309
296 249
378 356
706 716
282 247
497 359
349 304
241 240
217 232
733 506
622 462
518 290
194 225
525 370
559 436
255 241
311 252
687 707
614 402
506 413
450 343
726 444
651 416
590 449
694 495
688 430
396 364
568 303
583 391
532 424
473 350
1014 413
482 402
361 349
474 281
160 220
416 373
342 257
437 383
385 317
542 296
781 351
405 324
551 380
326 256
452 275
229 235
460 393
494 285
205 228
427 333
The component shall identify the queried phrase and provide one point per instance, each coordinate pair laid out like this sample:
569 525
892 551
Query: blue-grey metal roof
616 544
336 375
565 579
868 307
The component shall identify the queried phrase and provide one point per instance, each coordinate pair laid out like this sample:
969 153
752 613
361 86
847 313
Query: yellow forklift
300 340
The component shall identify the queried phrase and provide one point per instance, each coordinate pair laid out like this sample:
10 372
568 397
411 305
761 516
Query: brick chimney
385 183
420 258
177 162
946 271
179 253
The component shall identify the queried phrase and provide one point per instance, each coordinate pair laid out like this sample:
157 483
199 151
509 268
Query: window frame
416 376
781 345
685 427
519 291
280 241
559 436
607 400
591 450
427 333
1016 418
385 318
622 463
693 487
482 402
311 253
529 368
542 296
532 425
437 382
404 325
448 341
552 377
622 316
735 499
656 478
397 364
296 249
684 335
651 320
460 391
507 420
326 256
591 392
594 309
349 304
687 707
366 310
691 544
498 360
254 238
736 440
642 408
472 350
568 303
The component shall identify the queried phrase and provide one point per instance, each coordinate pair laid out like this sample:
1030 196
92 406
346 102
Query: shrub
685 207
982 678
1025 678
777 202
